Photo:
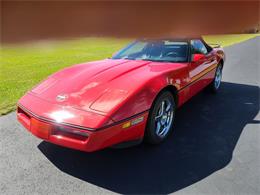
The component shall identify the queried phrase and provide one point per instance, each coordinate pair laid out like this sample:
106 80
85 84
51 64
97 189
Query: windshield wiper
128 58
153 60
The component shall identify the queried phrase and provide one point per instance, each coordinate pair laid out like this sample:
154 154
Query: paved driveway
215 148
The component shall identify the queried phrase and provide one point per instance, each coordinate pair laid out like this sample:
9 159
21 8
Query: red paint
198 57
96 98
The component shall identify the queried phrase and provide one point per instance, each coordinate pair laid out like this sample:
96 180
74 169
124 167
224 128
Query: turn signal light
133 122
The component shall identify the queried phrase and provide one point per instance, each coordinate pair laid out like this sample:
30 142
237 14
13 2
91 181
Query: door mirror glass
197 57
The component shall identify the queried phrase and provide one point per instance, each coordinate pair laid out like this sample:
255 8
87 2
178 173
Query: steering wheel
172 53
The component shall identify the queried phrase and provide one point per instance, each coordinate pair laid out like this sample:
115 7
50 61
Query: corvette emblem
62 97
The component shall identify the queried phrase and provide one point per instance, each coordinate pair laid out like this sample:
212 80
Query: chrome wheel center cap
164 118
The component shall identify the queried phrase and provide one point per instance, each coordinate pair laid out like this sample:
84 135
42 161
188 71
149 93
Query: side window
197 47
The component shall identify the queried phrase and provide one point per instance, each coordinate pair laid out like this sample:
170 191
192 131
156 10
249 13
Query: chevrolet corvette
123 100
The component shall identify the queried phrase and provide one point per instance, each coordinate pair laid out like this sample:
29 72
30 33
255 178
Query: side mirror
197 57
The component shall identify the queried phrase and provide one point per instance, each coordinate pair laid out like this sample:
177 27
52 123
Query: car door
200 62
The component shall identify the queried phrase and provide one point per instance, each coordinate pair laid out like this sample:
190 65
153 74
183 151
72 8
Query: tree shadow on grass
206 132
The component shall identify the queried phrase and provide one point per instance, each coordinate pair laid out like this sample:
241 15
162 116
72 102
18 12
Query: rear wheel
215 85
161 118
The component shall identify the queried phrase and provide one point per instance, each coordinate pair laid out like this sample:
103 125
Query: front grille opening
70 133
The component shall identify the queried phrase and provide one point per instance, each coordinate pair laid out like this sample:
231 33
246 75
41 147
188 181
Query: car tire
216 83
161 118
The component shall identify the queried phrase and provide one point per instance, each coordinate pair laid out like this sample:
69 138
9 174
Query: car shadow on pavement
206 132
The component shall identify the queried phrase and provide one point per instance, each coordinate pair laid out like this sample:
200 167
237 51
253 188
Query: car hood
100 86
81 85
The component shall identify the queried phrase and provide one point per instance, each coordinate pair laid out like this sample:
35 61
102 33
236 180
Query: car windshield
155 50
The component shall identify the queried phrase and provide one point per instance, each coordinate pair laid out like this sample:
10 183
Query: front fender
142 98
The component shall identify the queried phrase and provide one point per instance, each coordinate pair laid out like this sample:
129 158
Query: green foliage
24 66
227 40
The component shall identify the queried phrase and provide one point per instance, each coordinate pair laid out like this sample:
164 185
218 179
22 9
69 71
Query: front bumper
82 139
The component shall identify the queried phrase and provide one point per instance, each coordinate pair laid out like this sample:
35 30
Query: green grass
23 66
227 40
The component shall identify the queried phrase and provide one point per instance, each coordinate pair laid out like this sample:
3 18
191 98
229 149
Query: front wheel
161 118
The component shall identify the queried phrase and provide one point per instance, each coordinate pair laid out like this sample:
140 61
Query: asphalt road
215 148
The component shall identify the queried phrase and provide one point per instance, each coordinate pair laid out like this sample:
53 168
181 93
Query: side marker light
133 122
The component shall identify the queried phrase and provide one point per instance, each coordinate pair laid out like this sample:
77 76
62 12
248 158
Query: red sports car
122 100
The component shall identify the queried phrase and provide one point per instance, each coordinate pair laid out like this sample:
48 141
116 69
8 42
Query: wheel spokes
168 107
162 107
158 117
164 118
158 128
218 78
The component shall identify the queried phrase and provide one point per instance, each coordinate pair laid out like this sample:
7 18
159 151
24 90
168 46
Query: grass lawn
227 40
23 66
